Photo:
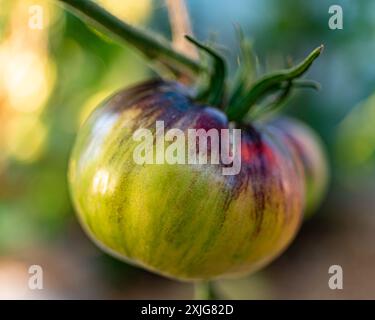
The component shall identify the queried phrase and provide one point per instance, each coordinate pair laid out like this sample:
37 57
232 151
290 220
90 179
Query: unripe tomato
185 221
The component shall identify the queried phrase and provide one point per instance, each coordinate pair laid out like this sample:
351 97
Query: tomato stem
246 92
150 45
204 291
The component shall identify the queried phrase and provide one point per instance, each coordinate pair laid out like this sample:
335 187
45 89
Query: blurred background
51 78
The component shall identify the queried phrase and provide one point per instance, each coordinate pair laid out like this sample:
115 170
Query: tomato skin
310 151
187 222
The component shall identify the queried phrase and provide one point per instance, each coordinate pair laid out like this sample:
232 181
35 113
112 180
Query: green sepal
248 67
279 101
267 84
213 93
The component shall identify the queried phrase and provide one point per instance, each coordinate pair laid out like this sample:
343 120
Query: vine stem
152 46
204 291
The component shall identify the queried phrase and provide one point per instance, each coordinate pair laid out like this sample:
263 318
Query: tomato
189 222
